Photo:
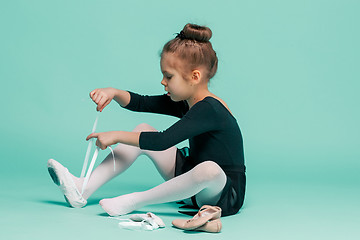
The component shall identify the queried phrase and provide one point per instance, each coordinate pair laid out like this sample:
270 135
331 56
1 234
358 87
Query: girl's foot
68 184
78 183
119 205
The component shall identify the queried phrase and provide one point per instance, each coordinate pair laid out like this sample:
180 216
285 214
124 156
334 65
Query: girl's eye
168 77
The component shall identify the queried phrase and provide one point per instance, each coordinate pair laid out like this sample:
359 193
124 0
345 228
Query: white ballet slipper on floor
61 177
148 217
131 225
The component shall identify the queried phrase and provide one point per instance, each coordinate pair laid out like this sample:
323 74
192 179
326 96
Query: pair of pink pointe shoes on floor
207 219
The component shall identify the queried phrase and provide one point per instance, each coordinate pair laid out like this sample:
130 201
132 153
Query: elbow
161 144
154 141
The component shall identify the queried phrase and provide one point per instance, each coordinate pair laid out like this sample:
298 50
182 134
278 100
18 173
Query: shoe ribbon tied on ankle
92 163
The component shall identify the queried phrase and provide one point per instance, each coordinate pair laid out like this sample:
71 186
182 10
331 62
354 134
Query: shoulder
203 109
218 100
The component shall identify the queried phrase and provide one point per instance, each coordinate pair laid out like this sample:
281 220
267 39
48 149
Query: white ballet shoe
138 225
148 222
61 177
148 217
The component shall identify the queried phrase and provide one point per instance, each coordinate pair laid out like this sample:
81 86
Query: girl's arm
161 104
201 118
105 139
121 97
140 103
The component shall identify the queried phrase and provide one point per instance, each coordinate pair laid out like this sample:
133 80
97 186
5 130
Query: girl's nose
163 82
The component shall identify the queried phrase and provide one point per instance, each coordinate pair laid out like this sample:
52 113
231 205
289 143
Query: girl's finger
93 135
98 143
98 98
101 103
92 93
105 104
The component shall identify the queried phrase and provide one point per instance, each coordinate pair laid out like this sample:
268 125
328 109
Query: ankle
78 182
137 199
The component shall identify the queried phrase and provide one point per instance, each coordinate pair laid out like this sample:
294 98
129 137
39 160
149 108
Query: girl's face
175 85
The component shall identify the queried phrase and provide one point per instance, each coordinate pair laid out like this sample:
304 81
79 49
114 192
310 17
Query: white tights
205 180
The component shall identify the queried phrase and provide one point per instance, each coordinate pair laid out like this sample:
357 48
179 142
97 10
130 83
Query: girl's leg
125 155
206 181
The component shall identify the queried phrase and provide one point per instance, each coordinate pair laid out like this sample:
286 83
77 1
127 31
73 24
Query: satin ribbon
147 222
93 160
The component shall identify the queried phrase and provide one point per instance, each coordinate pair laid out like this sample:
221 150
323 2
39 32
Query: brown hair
192 46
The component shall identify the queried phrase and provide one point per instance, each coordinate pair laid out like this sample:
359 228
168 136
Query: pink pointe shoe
205 214
61 177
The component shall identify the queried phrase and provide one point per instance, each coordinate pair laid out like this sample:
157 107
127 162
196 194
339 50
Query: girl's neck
199 95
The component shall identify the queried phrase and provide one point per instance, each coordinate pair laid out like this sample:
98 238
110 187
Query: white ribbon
91 142
92 163
146 222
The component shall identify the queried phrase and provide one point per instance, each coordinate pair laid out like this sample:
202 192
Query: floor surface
33 208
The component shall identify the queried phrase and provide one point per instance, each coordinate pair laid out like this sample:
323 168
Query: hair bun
196 32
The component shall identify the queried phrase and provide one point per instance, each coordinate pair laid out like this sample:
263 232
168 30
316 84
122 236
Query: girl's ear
196 76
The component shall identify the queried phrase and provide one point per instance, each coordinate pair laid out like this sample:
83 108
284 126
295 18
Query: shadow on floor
64 204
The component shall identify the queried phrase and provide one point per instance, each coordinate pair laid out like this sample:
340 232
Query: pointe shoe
205 214
213 226
61 177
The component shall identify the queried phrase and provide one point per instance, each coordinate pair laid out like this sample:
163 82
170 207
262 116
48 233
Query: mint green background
287 69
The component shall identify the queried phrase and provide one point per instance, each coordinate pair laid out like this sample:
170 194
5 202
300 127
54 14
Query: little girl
211 171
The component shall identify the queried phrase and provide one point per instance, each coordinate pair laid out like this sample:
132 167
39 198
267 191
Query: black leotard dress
213 135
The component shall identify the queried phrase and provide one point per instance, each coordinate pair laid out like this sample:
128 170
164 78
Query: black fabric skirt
233 194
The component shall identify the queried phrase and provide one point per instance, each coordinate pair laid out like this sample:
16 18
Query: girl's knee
207 171
144 127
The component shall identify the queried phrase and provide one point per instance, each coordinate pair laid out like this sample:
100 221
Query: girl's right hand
102 97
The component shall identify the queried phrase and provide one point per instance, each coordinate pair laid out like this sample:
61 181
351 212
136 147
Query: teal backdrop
288 70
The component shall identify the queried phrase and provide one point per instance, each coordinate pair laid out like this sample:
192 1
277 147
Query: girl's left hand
104 139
